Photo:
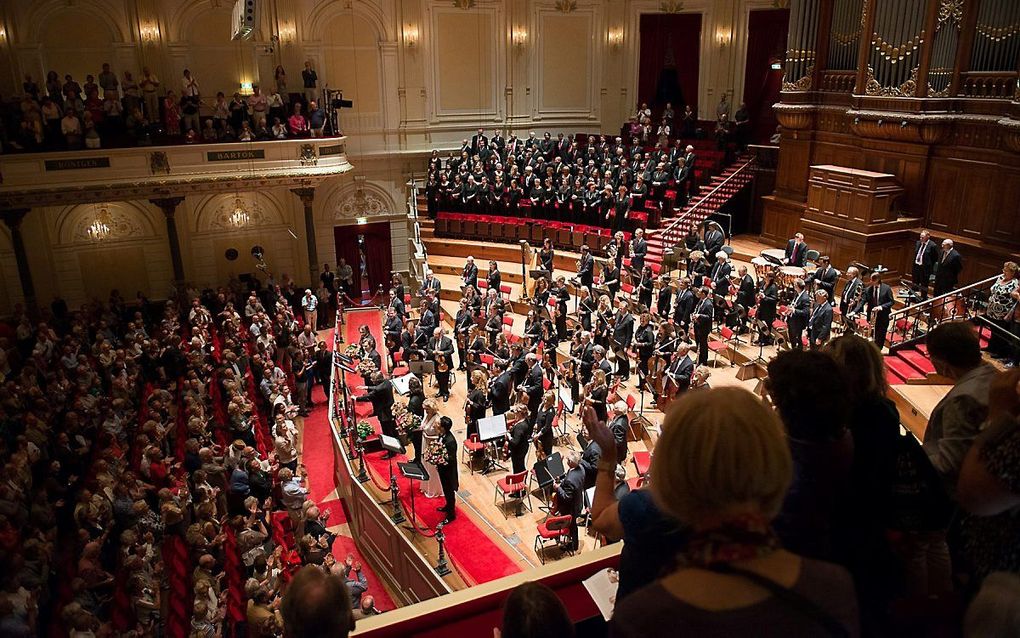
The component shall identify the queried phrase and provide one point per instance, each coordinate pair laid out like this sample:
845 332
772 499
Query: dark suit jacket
884 303
796 255
470 275
570 492
623 332
448 473
948 273
713 242
685 301
820 323
849 290
826 278
929 256
619 426
746 292
381 397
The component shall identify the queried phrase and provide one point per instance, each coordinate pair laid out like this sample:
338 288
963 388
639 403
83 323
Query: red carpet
475 556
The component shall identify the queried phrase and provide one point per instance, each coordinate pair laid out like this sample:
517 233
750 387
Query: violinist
768 297
603 320
475 346
685 301
562 296
469 277
679 372
426 323
697 267
645 287
461 326
540 300
365 335
474 300
550 341
586 268
408 347
586 355
543 431
494 278
644 342
533 384
493 304
391 330
517 365
397 303
501 351
623 334
597 391
586 307
600 362
475 405
494 326
532 328
611 278
441 349
664 302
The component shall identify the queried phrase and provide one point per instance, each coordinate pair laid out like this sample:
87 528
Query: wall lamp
410 36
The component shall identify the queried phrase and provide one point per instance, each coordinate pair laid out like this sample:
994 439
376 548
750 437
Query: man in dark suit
685 302
426 324
664 302
623 333
477 140
586 269
448 476
619 426
925 256
948 273
702 320
469 277
689 161
851 289
796 251
680 370
638 250
380 394
746 296
878 299
820 323
714 239
825 276
801 312
462 326
590 463
499 393
720 273
586 356
570 496
533 385
441 349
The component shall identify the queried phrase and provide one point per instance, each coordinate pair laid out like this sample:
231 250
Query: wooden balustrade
838 81
988 84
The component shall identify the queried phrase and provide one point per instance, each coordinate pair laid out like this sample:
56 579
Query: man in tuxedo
796 251
426 323
461 326
431 284
448 476
586 269
380 394
820 323
499 393
714 239
878 299
623 333
638 250
470 275
801 312
533 385
619 426
681 368
685 302
720 273
397 303
746 292
850 291
825 276
948 272
570 496
702 320
586 356
441 348
391 330
925 256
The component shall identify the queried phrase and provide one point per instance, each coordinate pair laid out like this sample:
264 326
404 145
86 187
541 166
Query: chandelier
100 228
239 217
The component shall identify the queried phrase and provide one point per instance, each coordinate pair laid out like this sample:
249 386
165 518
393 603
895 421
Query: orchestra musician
619 426
570 496
365 336
746 290
543 433
800 312
391 331
664 302
397 303
533 384
519 440
701 319
597 392
426 322
416 405
562 295
680 370
441 349
469 277
638 250
397 286
494 304
623 334
645 287
685 302
474 300
714 238
852 292
585 309
825 277
720 273
586 268
926 254
697 268
476 404
878 299
494 325
499 393
617 248
611 278
796 251
494 278
820 323
408 346
462 326
430 285
644 343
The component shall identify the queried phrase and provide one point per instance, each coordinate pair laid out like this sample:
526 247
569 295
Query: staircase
714 195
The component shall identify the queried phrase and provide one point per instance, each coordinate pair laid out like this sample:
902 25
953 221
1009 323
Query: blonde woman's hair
1011 266
720 448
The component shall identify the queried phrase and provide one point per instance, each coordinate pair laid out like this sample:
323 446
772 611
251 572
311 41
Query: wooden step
902 369
917 361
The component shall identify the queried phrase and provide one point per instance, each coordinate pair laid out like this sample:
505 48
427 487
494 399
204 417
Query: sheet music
402 384
566 399
602 587
491 427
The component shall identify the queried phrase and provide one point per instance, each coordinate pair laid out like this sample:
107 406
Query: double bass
656 373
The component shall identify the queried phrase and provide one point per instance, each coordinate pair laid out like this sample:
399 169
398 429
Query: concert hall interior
538 317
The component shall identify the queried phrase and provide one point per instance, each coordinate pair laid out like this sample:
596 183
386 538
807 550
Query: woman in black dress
475 406
768 297
416 405
544 422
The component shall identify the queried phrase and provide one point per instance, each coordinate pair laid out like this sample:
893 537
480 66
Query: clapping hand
597 430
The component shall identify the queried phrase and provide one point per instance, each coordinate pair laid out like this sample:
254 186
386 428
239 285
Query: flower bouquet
353 350
407 422
435 453
364 430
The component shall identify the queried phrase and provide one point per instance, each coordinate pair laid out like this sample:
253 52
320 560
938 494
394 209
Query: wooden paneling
791 177
962 195
1003 222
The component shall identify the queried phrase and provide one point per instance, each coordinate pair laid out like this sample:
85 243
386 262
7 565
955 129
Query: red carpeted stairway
912 364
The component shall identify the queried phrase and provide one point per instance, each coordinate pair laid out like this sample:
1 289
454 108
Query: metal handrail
687 214
930 303
925 311
994 327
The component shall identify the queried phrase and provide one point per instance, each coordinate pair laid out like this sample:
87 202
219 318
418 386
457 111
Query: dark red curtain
766 43
668 70
345 238
378 254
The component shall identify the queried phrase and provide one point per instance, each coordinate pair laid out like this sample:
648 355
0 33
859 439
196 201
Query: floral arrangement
366 368
407 422
353 350
435 453
364 430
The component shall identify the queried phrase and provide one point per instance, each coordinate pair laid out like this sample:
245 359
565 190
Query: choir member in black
494 278
768 299
597 393
564 199
475 405
514 194
416 405
720 274
639 193
469 276
638 250
617 249
619 426
664 301
499 392
682 177
701 319
714 238
621 208
543 432
926 254
536 193
546 256
432 196
586 307
644 343
461 326
611 278
469 195
646 284
570 497
800 312
824 277
441 352
623 334
549 197
878 298
680 370
519 440
820 322
586 268
448 477
848 300
592 203
685 302
562 295
380 395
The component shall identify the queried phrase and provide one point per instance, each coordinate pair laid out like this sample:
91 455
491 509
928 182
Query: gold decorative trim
671 6
803 84
907 89
951 10
464 4
566 6
899 52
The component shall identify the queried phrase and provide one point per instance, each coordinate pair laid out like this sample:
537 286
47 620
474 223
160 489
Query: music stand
402 384
491 428
566 399
546 472
413 472
421 368
394 446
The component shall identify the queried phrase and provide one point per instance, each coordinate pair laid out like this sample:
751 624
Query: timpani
762 267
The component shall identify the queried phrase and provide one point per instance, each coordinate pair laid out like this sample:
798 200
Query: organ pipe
845 35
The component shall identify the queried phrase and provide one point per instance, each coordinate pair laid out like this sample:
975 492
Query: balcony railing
909 324
679 226
988 84
838 81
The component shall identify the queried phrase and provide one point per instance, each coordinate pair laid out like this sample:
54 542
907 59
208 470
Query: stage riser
491 250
